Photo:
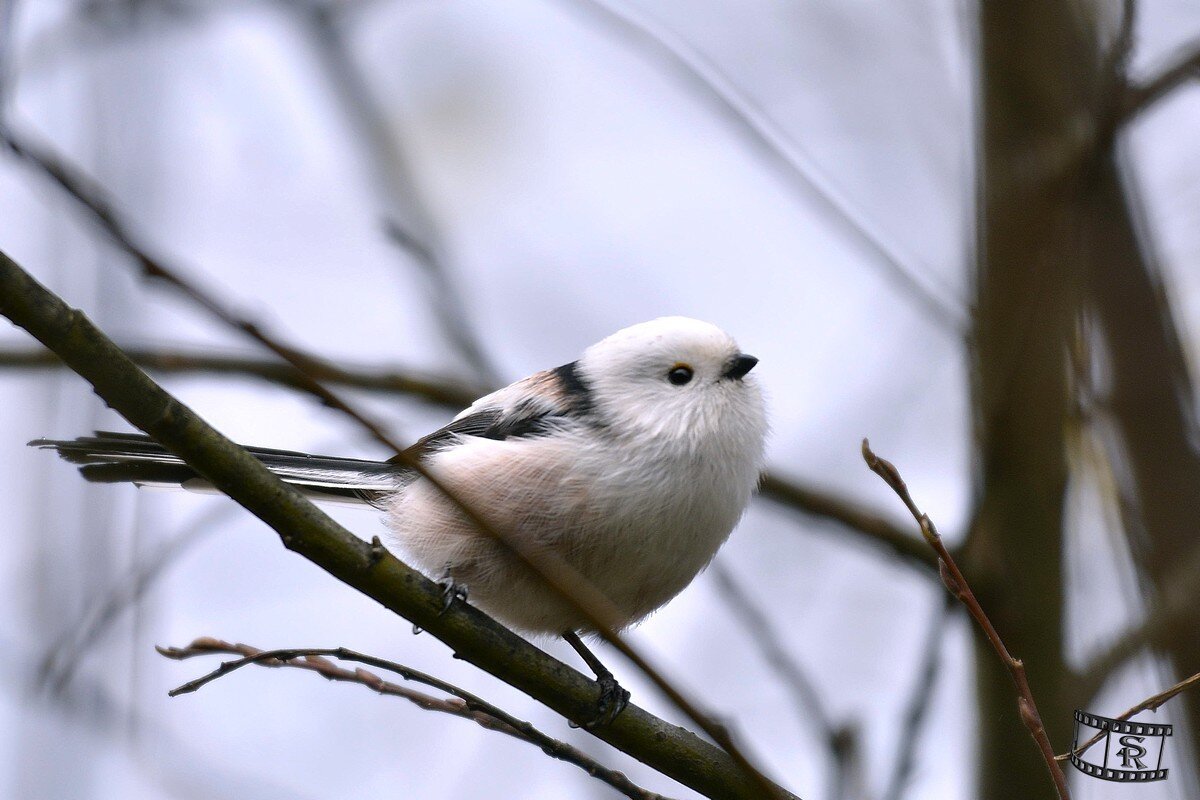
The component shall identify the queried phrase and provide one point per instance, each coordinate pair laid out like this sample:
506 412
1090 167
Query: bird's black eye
680 374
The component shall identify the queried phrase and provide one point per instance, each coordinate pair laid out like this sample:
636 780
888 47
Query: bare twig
956 584
1183 67
806 698
851 515
441 391
920 702
1151 703
765 136
466 705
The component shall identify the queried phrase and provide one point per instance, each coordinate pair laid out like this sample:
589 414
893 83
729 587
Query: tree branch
304 529
466 706
1183 67
810 709
956 584
432 389
852 516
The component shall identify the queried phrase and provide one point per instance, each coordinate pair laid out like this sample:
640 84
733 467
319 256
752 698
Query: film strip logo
1119 750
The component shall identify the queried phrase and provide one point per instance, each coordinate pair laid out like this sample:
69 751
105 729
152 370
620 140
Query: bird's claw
613 700
453 591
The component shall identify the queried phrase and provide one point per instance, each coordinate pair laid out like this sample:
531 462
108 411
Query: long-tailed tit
631 464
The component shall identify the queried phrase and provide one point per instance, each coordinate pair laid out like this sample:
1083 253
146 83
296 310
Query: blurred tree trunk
1057 236
1152 404
1037 69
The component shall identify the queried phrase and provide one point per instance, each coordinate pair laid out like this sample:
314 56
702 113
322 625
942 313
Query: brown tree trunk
1036 75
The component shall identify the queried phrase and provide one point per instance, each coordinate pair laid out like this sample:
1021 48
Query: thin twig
805 696
1151 703
920 702
957 585
466 705
765 136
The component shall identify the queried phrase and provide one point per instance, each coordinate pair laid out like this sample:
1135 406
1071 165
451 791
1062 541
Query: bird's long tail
134 458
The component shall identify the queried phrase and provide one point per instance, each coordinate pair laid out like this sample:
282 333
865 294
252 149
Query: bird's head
676 379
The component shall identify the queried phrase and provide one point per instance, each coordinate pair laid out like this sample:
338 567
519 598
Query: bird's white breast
638 519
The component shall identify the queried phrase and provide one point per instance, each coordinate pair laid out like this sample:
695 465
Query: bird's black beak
739 366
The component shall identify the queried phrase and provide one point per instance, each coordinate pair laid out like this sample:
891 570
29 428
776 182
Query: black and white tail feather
110 457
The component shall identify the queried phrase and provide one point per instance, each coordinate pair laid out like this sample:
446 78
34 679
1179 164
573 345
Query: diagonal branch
956 584
303 528
465 705
1174 605
810 708
852 516
1183 67
433 389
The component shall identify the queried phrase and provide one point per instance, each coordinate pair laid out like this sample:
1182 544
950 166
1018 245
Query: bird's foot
613 700
453 591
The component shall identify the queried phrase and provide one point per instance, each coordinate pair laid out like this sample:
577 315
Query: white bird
632 465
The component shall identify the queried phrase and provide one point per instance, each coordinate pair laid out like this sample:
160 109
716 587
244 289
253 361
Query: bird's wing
534 406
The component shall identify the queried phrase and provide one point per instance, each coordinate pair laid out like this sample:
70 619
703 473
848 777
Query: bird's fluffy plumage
632 478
